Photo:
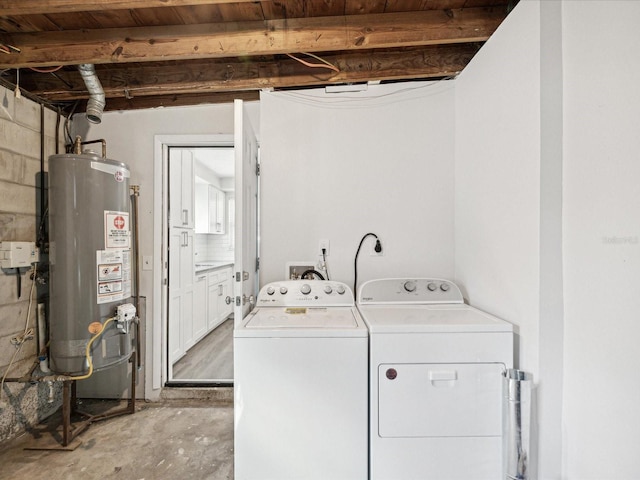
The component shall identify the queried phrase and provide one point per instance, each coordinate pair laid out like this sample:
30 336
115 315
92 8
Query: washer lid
303 322
430 319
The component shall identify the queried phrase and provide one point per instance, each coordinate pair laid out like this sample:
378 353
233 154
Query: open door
246 212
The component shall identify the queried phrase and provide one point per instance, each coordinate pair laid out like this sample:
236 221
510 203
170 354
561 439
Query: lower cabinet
219 288
208 308
199 324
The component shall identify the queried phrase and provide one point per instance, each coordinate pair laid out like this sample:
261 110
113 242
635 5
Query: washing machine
301 385
435 373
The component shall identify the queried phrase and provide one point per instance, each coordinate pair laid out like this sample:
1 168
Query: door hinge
257 169
165 282
257 264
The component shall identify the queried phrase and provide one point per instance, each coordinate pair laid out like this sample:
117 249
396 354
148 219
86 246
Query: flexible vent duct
96 102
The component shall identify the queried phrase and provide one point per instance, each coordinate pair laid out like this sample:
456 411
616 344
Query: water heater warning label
113 275
116 230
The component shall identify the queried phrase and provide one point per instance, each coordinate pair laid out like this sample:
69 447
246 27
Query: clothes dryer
435 381
301 392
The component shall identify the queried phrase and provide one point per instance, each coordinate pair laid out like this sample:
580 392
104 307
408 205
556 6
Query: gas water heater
90 262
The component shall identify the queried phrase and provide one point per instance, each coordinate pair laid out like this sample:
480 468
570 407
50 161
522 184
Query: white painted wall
336 166
508 202
538 129
130 138
497 175
601 239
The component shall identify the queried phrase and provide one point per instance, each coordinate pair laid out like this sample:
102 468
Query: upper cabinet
216 210
181 194
210 209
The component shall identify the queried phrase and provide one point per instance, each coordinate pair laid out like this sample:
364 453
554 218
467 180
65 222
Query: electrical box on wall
18 254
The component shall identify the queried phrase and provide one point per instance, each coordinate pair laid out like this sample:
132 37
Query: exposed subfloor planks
211 359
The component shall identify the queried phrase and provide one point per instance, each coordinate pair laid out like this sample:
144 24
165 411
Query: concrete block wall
21 405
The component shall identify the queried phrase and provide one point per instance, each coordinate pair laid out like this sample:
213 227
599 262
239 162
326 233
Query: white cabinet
181 188
226 285
216 210
202 207
213 292
200 321
218 289
197 302
210 204
181 291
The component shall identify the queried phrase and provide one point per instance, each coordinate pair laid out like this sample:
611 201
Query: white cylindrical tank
90 257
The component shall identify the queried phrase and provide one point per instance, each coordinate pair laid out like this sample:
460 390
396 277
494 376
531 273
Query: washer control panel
409 291
293 293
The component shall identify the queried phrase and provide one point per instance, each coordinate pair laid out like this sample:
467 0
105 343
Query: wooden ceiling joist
115 104
203 76
35 7
239 39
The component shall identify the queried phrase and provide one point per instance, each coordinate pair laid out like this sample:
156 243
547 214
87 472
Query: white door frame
159 360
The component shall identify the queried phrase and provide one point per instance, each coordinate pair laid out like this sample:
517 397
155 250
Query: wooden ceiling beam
223 76
37 7
238 39
181 100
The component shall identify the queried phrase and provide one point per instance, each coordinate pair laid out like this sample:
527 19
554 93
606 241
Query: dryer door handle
443 378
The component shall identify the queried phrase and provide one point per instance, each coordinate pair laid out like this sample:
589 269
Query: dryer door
440 400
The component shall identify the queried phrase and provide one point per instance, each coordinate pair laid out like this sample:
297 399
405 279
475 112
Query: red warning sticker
116 230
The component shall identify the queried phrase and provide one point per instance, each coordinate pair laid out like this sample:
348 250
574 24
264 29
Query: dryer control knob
271 290
410 286
444 287
283 290
328 289
432 287
305 289
340 289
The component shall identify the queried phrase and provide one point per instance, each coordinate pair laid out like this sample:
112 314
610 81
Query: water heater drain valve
125 314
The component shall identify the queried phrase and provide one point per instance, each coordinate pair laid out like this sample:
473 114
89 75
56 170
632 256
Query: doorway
176 221
187 330
200 310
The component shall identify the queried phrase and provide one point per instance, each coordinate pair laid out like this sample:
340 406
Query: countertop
203 266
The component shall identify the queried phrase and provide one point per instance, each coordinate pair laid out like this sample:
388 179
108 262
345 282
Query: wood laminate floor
211 359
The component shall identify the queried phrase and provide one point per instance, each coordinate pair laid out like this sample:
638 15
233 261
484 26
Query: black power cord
377 248
324 260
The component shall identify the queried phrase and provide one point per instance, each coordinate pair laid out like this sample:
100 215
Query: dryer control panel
298 293
391 291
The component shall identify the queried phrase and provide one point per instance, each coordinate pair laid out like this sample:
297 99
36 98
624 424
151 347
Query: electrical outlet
324 244
373 252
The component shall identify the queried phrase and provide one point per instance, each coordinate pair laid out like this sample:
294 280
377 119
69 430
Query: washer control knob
432 287
410 286
271 290
305 289
444 287
340 289
328 289
284 290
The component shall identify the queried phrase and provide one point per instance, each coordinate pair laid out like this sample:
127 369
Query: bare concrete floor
170 440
